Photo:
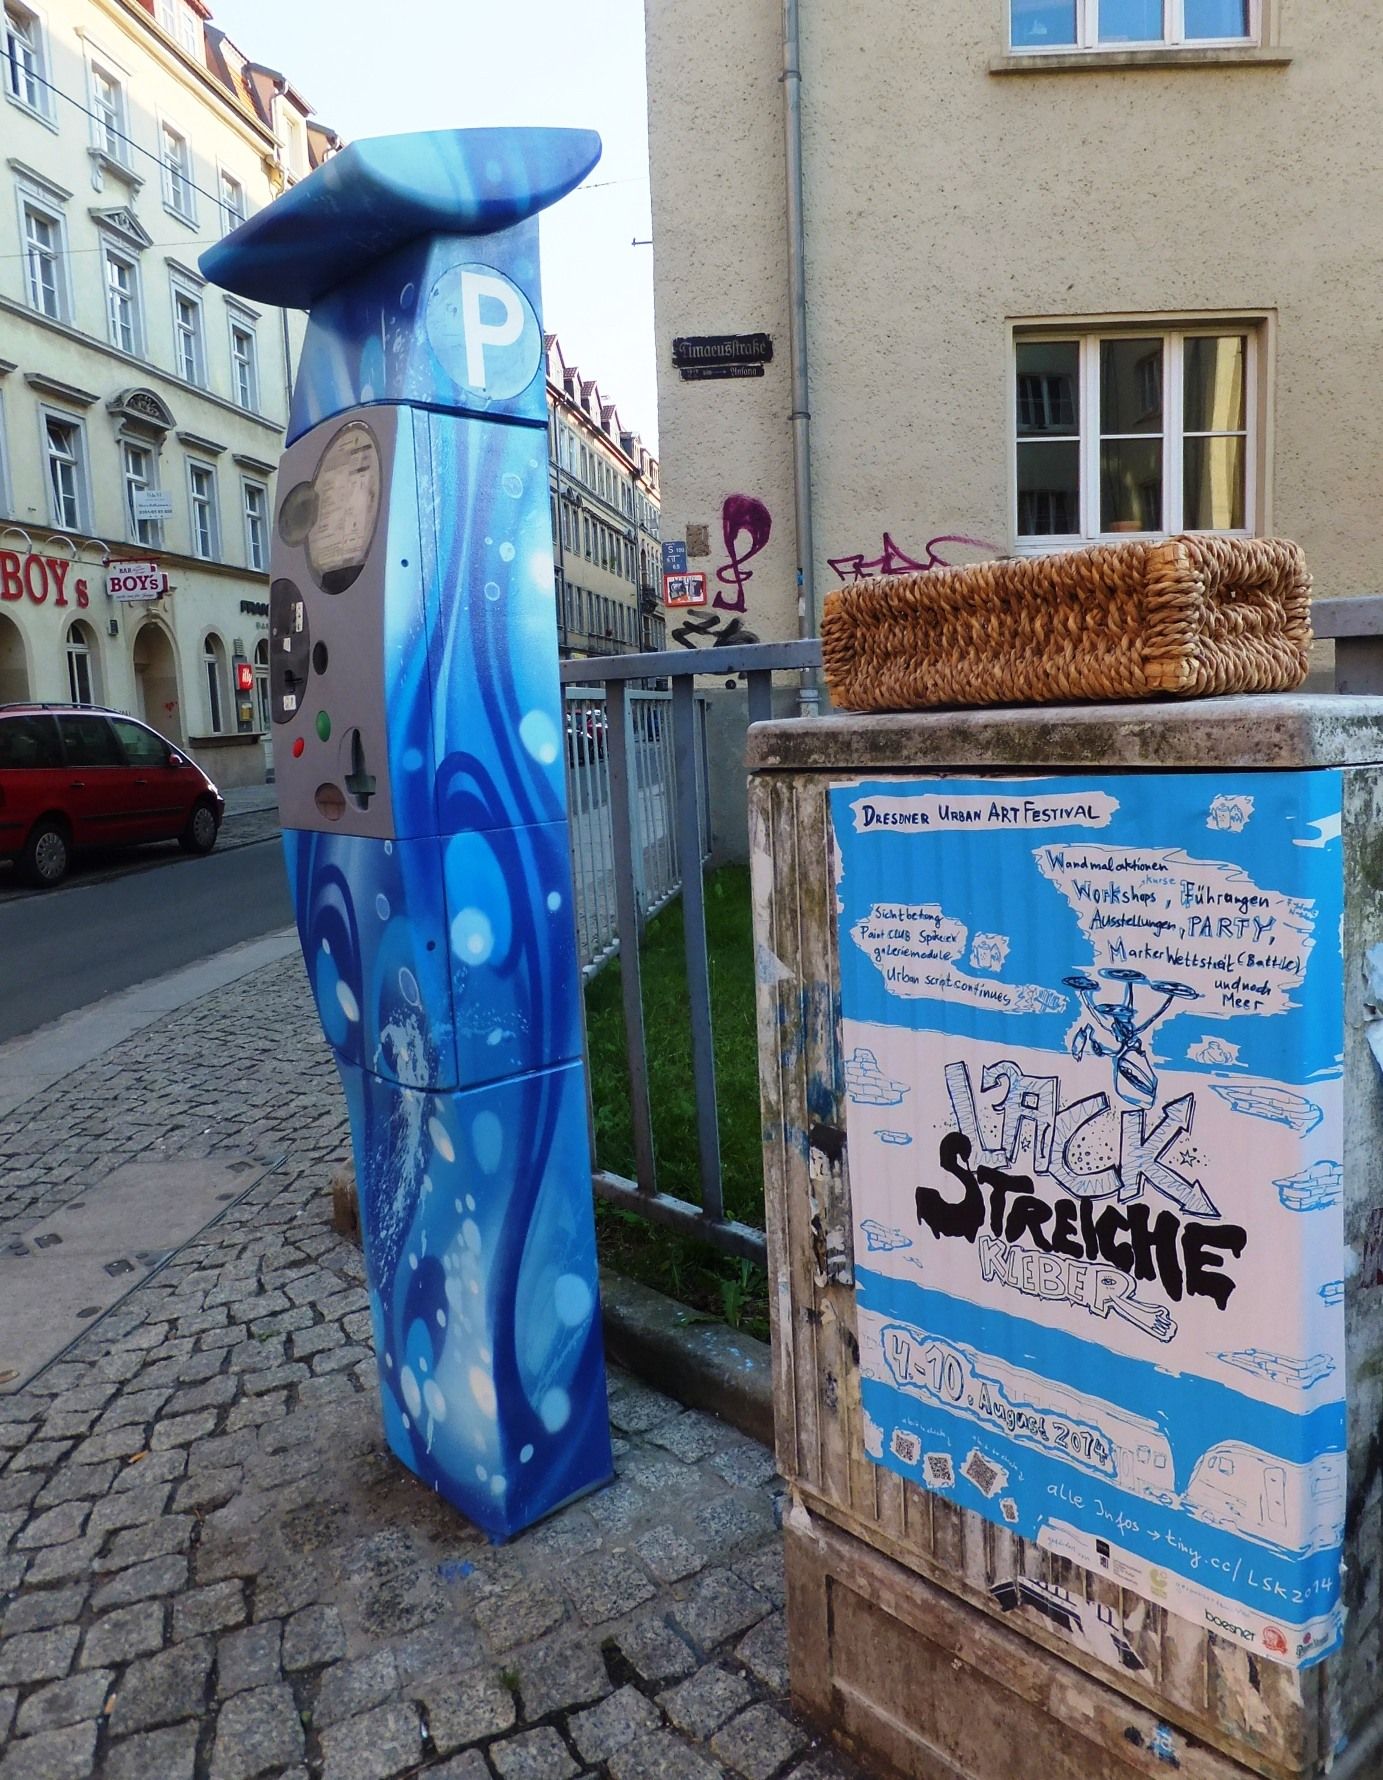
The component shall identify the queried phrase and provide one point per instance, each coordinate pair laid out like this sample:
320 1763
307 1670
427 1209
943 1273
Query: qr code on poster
1009 1509
905 1447
938 1470
987 1478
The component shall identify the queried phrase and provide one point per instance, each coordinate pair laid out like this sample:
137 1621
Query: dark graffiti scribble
741 517
706 630
893 561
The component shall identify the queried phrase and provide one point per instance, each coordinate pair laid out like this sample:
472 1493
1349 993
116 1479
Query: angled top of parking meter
379 194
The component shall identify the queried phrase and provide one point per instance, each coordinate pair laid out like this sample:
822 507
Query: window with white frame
1134 430
26 61
189 337
83 680
244 365
179 194
181 23
256 505
65 454
108 114
214 667
206 531
5 491
45 257
139 467
232 201
124 322
1126 24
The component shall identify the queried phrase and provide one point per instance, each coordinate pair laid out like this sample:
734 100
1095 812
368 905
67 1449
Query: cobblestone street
210 1565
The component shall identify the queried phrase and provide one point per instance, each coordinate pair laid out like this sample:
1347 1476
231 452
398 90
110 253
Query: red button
298 748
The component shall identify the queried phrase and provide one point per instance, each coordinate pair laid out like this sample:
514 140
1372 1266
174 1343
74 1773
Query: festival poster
1092 1033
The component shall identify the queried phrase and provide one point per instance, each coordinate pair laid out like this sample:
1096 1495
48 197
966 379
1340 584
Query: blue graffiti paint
419 757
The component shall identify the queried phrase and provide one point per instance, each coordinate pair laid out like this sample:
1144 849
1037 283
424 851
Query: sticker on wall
1098 1282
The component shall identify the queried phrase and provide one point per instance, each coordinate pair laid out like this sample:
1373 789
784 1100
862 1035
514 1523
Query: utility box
1074 1171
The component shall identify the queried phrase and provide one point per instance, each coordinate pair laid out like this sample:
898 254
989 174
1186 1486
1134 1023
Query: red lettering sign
38 576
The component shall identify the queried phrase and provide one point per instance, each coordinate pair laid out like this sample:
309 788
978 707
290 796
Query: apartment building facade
141 410
604 485
1074 270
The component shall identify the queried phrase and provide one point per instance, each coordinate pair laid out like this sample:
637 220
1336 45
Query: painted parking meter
420 769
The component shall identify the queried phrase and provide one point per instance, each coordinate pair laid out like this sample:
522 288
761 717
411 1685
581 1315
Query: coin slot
360 781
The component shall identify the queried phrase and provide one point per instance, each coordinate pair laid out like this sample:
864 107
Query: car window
142 747
29 741
89 741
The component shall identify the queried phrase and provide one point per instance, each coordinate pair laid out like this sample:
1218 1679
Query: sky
444 64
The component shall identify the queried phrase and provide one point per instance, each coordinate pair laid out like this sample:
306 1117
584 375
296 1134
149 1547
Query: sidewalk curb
36 1060
702 1362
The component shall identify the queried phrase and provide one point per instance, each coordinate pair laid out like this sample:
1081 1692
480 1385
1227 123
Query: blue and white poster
1092 1036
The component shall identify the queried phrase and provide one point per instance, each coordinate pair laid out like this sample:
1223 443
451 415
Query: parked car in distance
74 776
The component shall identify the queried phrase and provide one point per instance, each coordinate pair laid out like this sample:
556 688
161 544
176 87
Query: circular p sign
484 332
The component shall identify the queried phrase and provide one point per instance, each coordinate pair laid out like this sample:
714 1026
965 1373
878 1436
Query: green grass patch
681 1266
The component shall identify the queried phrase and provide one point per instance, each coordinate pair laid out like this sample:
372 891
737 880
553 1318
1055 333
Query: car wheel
47 854
200 834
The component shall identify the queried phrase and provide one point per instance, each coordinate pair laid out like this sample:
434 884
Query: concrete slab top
1277 732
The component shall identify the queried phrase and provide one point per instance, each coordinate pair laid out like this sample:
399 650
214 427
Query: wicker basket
1191 616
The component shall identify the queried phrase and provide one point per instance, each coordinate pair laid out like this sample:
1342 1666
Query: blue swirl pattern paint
419 758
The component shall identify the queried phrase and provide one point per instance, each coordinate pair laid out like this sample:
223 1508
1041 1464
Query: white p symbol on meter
484 332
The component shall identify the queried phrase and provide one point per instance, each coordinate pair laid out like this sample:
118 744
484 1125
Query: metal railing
644 732
654 853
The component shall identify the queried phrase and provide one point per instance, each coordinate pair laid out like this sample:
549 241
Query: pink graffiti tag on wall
741 517
893 561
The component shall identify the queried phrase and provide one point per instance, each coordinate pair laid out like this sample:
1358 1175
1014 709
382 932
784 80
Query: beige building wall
954 193
100 193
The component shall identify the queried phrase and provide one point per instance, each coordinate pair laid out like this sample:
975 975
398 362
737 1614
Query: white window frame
113 254
255 559
80 460
196 467
6 493
232 215
109 138
77 649
184 293
1174 333
38 101
214 681
240 323
1173 36
177 20
176 181
148 532
31 198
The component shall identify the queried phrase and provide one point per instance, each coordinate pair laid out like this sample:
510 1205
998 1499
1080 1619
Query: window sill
188 222
39 117
1103 60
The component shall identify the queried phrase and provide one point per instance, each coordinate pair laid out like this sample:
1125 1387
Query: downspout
808 694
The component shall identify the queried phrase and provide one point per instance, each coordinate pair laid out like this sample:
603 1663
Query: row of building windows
28 83
49 289
69 494
82 654
599 543
603 620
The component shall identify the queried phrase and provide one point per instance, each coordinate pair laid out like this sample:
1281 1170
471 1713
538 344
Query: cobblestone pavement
212 1569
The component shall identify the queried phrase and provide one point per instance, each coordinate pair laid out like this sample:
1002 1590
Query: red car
74 777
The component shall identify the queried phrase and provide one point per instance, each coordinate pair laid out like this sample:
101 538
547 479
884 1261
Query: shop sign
41 579
1091 1033
136 581
152 503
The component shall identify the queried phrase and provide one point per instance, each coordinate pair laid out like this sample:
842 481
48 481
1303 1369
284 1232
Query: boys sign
1092 1033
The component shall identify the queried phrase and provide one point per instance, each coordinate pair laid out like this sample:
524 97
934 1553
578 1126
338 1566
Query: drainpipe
808 694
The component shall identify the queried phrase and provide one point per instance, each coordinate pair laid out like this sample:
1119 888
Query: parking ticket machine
420 767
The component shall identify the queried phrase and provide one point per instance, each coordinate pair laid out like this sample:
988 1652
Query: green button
323 726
